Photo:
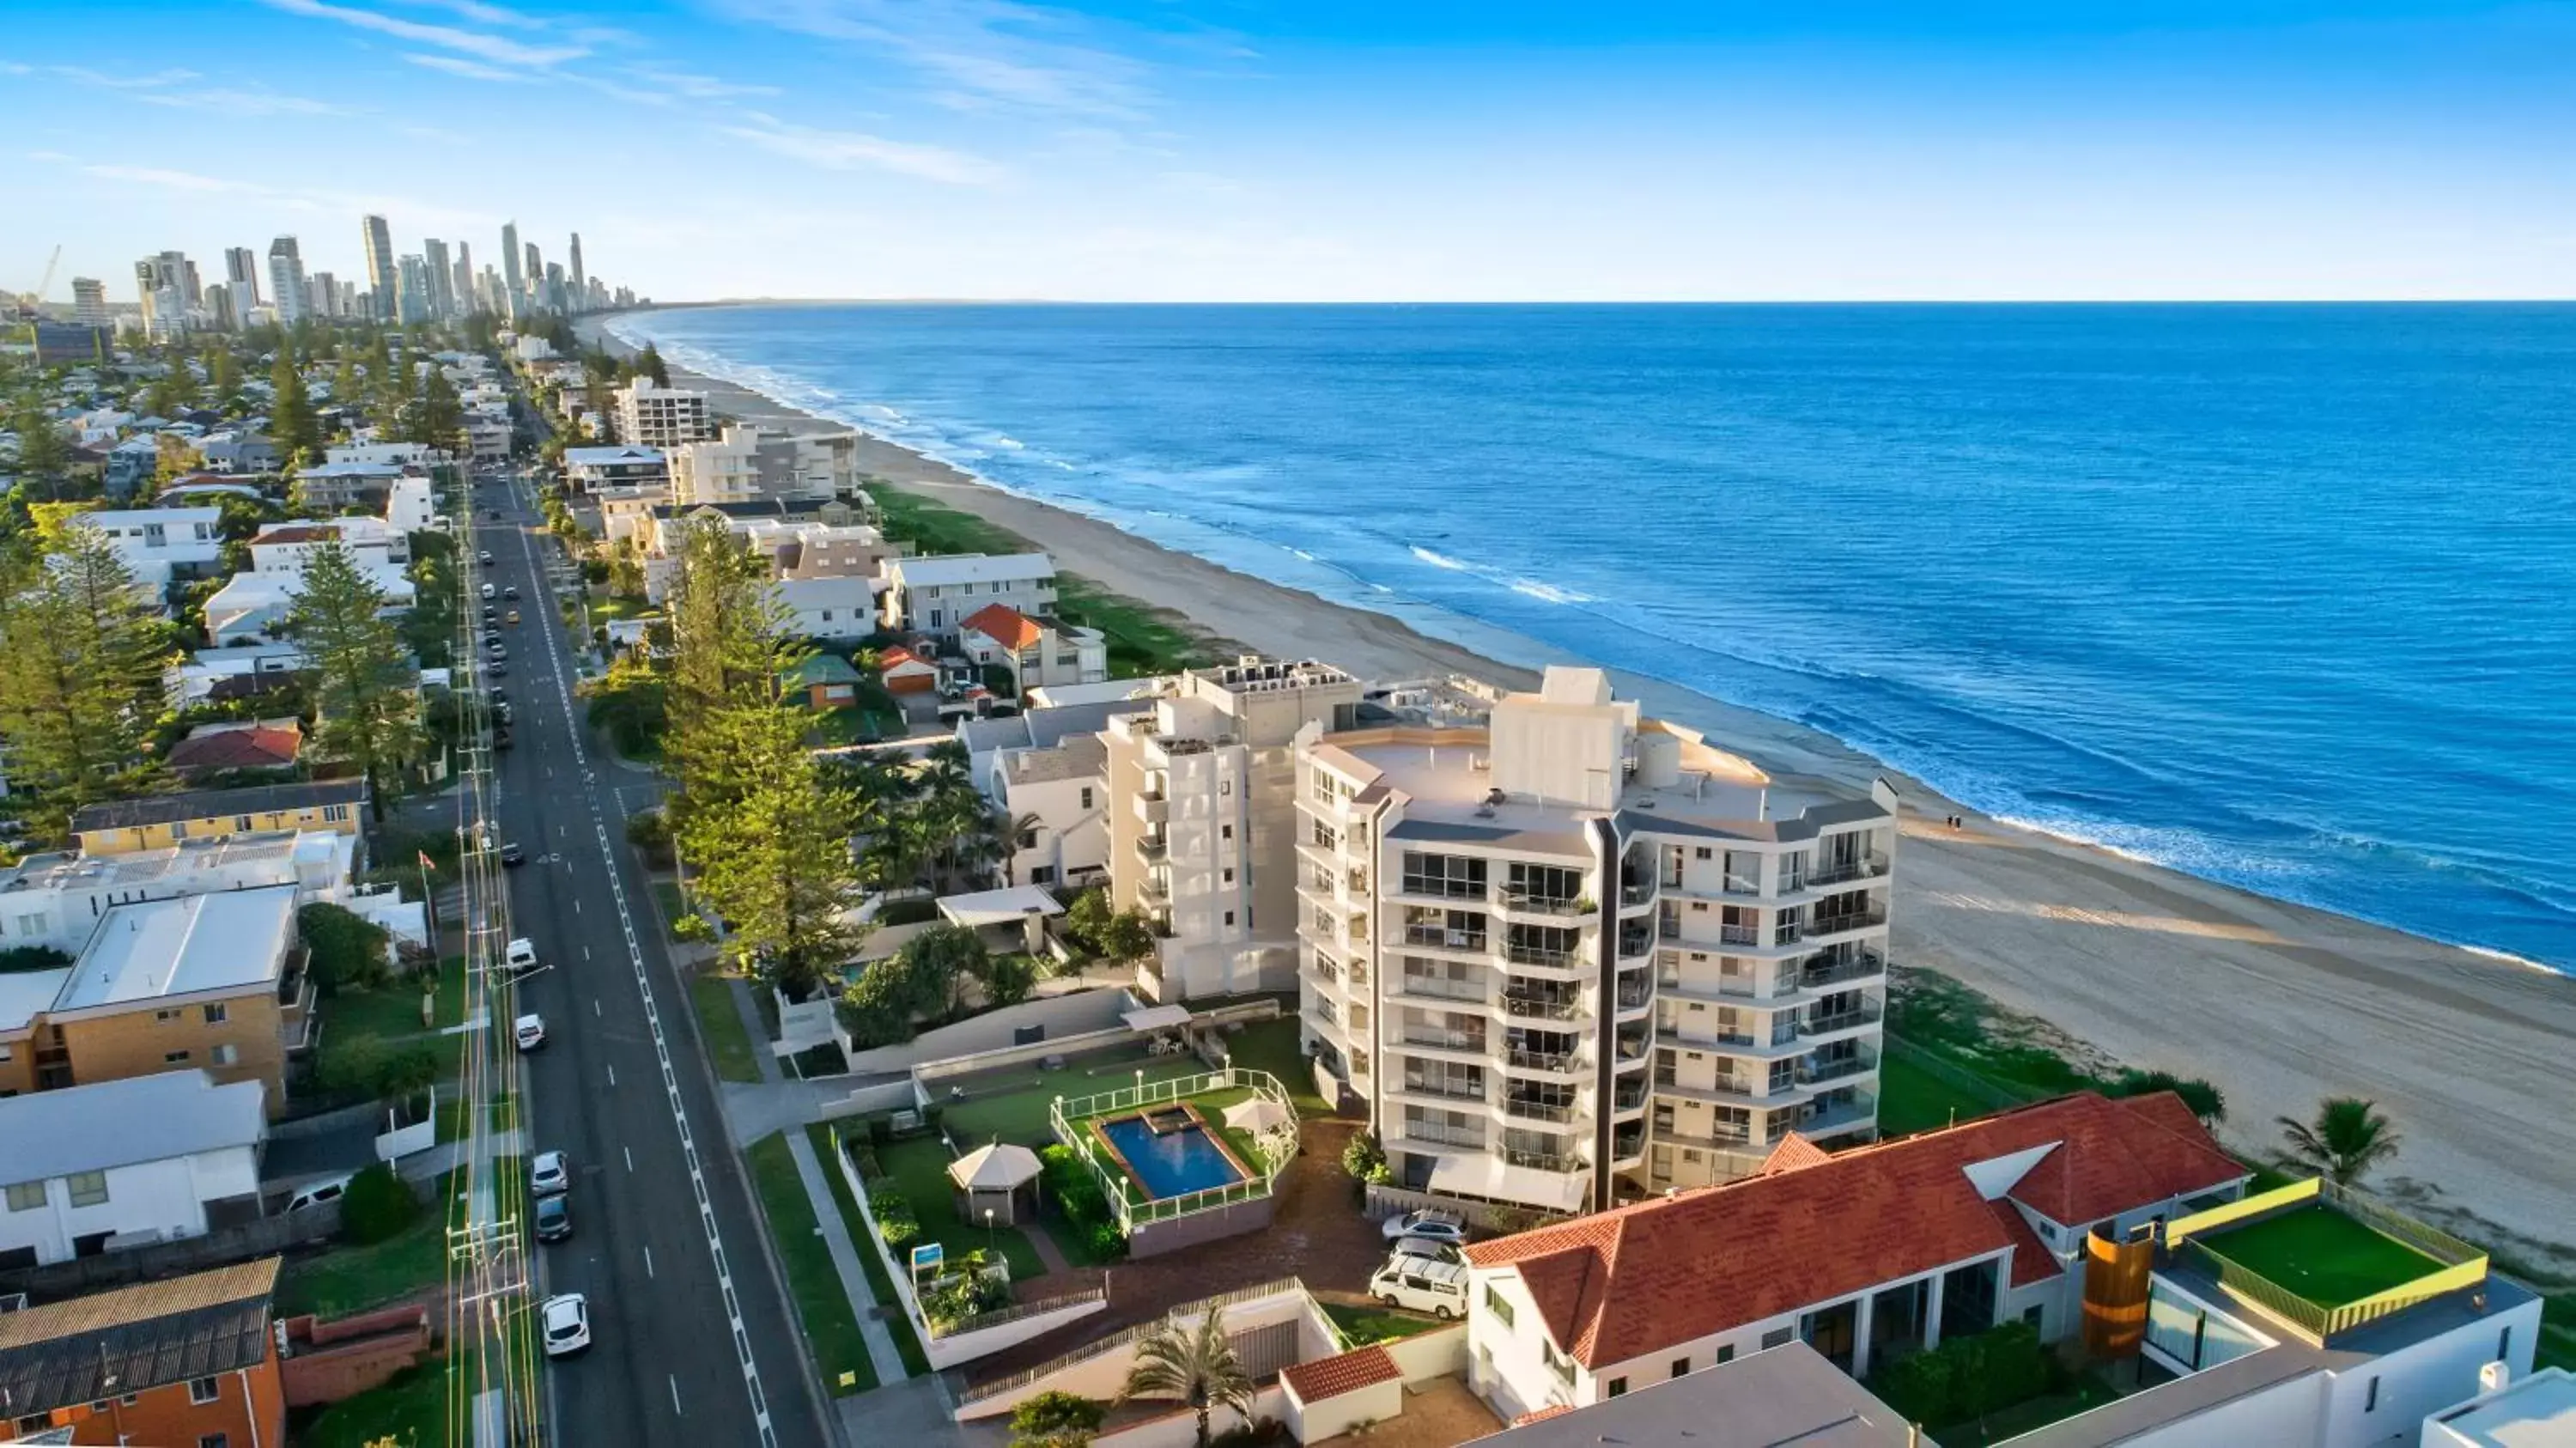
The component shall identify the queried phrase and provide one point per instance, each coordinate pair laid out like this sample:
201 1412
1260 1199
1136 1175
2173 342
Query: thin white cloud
978 52
494 49
857 150
697 87
245 103
481 13
470 69
169 180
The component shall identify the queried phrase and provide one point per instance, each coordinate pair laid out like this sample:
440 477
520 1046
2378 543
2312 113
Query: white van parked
1420 1285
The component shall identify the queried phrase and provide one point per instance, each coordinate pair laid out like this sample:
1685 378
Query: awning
1494 1179
1157 1018
998 907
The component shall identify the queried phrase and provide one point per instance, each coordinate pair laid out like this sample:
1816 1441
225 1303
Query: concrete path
915 1414
845 1260
1044 1246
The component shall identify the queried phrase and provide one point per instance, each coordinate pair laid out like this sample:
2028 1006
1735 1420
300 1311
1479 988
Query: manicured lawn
835 727
831 1325
393 1014
346 1279
720 1026
1272 1046
1911 1099
919 1169
411 1410
613 607
1014 1107
1365 1325
907 1343
2323 1256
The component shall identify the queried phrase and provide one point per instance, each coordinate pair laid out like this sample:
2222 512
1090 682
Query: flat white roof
120 1123
575 457
2537 1412
224 941
972 568
999 907
25 992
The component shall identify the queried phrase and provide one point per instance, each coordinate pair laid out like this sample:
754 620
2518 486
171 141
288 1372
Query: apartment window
1495 1306
174 1058
215 1013
226 1054
336 813
1618 1387
1681 1367
242 823
1455 877
1086 796
1229 917
26 1196
1224 832
1726 1352
31 924
203 1390
1778 1337
88 1188
165 1017
2504 1345
1705 853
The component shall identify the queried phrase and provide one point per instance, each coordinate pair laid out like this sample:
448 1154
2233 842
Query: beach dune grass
2325 1257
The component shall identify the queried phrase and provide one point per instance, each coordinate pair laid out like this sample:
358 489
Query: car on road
489 591
554 1218
511 593
550 1174
514 618
499 651
530 1032
567 1321
485 557
1429 1222
521 953
511 854
497 669
490 614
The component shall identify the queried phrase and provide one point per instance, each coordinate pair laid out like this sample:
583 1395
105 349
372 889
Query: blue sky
1272 149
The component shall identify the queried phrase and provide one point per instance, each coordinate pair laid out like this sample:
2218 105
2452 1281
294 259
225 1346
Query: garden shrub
377 1206
1969 1377
32 957
347 950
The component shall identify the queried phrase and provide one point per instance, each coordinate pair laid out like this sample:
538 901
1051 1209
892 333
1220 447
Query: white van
1420 1285
314 1194
490 592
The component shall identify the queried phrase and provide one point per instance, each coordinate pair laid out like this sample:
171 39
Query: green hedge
1968 1377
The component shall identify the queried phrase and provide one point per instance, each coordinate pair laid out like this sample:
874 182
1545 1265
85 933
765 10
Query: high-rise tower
382 274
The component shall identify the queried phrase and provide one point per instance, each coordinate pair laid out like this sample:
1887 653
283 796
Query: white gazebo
998 1178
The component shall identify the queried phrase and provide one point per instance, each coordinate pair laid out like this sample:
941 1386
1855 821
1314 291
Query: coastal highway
693 1340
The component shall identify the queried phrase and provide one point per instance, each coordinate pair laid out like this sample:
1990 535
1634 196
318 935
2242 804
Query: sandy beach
2277 1004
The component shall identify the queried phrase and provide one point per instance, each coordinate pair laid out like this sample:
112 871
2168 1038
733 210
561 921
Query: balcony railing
1539 955
1630 1096
1439 1135
1547 1008
1637 893
1635 942
1152 849
1740 934
1837 1069
1630 997
1529 1060
1846 920
1867 867
1834 970
1544 1160
1527 903
1442 987
1445 1087
1437 1039
1842 1020
1537 1111
1438 937
1742 885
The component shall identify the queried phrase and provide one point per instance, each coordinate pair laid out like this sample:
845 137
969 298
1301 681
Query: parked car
511 593
484 557
1428 1222
1438 1288
500 739
1424 1248
511 854
314 1194
530 1032
550 1174
554 1218
514 618
489 591
521 954
567 1323
497 669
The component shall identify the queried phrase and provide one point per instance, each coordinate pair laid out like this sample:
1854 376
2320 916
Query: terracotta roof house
237 744
1036 653
187 1360
1904 1242
906 672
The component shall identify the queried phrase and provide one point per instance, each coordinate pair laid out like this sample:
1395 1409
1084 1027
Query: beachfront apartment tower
462 280
1202 825
661 417
1572 957
440 282
286 284
383 274
580 278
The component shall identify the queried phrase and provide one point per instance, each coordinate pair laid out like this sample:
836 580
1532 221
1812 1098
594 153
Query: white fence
1274 1147
1078 1013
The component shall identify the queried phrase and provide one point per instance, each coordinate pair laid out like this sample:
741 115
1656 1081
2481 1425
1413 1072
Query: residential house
936 595
1061 797
410 507
591 469
330 487
1204 828
2538 1411
372 543
1577 955
228 745
190 1362
824 681
235 454
160 544
1034 653
243 671
253 607
117 1164
153 822
214 981
828 610
130 464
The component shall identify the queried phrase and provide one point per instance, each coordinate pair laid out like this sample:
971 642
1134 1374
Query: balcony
1152 850
1841 920
1433 1038
1153 807
1635 941
1524 903
1553 1063
1827 969
1629 1096
1542 956
1842 1020
1634 893
1522 1005
1441 987
1740 885
1560 1161
1434 937
1739 934
1860 1063
1154 892
1868 867
1436 1134
1446 1088
1440 887
1538 1111
1828 1118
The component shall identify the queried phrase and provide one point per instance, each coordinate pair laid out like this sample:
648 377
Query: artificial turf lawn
2322 1255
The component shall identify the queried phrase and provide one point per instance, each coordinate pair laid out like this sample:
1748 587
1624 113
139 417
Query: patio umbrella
999 1167
1259 1114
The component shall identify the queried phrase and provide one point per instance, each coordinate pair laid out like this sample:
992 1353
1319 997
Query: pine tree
223 374
438 418
364 706
290 415
81 655
651 365
774 861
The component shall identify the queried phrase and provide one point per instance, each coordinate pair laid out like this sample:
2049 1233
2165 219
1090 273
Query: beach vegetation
2343 1142
1194 1365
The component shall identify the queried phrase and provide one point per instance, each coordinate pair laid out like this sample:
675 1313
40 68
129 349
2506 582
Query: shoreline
2277 1003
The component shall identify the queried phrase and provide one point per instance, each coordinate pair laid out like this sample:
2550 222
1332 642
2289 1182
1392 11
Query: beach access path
2276 1004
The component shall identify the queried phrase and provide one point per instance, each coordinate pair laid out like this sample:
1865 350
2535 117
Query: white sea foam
1436 561
1548 592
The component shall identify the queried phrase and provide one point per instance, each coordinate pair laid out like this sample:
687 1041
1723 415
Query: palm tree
2347 1138
1190 1365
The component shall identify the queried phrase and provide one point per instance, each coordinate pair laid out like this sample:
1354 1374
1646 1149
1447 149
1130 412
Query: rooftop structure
117 1345
118 1123
1785 1395
183 947
2534 1412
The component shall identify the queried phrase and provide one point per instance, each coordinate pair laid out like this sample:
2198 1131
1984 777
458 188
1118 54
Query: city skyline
2284 150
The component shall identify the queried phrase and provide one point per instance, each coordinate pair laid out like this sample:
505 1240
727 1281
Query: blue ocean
2282 596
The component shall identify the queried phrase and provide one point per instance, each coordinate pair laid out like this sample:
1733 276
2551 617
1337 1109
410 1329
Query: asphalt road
693 1340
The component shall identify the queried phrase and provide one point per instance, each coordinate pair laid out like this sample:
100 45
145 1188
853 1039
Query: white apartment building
1202 827
752 465
661 417
1573 955
935 595
123 1163
589 469
411 507
57 900
160 543
396 454
372 543
255 604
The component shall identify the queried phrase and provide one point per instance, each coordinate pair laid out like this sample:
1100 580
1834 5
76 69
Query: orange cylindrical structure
2115 1293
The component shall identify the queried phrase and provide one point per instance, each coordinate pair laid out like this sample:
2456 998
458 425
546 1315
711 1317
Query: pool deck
1198 1121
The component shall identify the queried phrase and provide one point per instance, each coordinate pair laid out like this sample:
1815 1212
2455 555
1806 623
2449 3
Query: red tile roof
1004 625
1793 1152
1625 1283
1333 1376
898 656
301 533
1541 1415
271 745
2031 1259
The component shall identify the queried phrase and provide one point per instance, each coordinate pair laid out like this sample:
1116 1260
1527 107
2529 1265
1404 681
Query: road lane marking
648 1261
675 1403
630 1158
612 1075
594 1000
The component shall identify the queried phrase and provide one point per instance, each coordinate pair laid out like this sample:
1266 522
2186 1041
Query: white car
1437 1226
567 1320
490 591
549 1174
530 1031
521 954
1424 1248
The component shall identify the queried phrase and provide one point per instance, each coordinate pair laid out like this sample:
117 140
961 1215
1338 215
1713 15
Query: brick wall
137 1042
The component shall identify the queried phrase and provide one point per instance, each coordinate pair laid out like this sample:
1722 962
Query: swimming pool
1181 1158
